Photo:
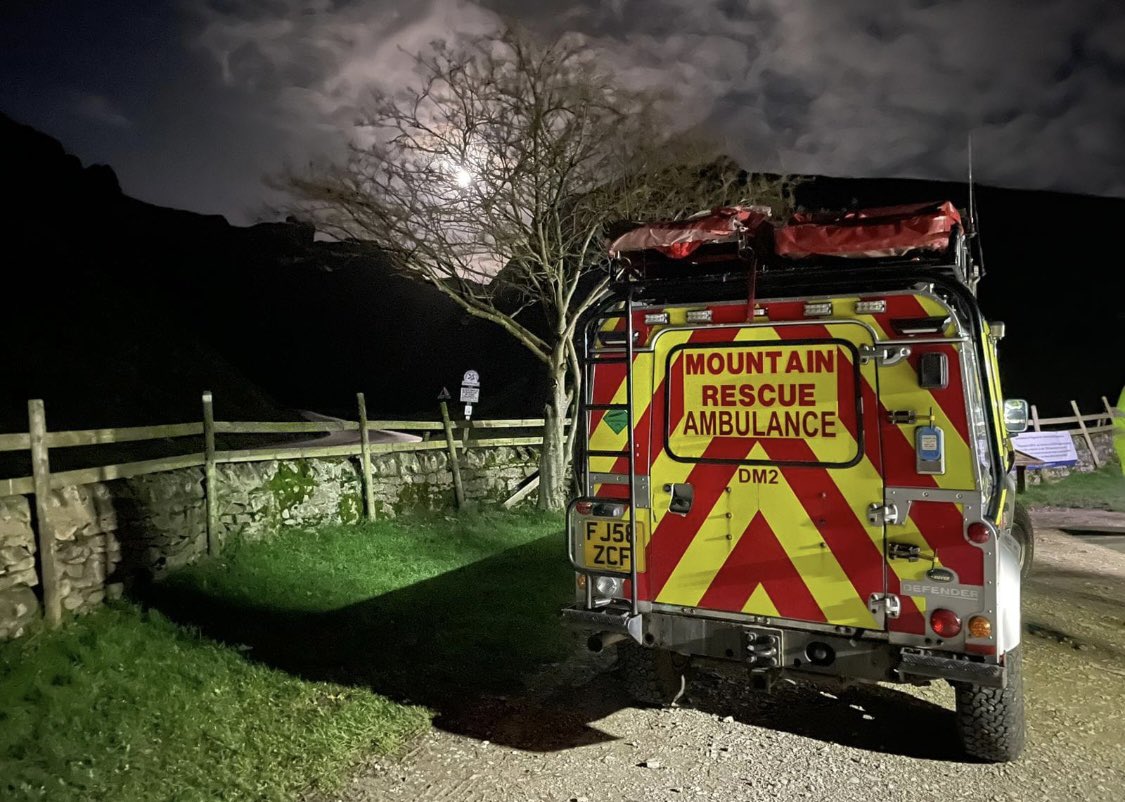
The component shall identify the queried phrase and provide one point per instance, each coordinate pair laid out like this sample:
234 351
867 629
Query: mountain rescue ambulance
796 458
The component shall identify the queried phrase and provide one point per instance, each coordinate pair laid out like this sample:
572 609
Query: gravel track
572 735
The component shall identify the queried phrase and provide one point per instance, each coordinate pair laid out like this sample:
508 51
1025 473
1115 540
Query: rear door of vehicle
775 431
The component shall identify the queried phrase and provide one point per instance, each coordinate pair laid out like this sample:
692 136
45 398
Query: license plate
605 544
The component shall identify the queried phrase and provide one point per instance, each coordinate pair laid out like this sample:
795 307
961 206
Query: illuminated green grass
1099 490
276 667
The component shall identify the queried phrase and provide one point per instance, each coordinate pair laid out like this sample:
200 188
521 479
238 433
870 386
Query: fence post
365 457
41 474
1035 417
209 482
1086 434
458 488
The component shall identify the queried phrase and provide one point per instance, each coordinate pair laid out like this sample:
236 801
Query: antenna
973 222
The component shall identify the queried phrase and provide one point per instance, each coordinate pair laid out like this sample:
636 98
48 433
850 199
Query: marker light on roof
818 309
699 316
920 325
869 307
654 318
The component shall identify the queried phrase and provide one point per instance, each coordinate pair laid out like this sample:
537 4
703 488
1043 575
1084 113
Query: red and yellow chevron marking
770 549
899 390
801 547
935 527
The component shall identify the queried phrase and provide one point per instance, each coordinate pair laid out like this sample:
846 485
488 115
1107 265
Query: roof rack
734 241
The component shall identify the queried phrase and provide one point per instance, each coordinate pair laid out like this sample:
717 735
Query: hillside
121 312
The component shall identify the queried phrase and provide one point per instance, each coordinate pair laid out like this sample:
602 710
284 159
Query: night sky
192 102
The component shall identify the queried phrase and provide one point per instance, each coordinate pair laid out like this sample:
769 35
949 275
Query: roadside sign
1053 449
444 394
471 379
470 395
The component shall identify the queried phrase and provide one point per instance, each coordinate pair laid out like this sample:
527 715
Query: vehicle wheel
1024 534
653 676
990 721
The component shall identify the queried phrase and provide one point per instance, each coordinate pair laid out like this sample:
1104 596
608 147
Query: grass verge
1103 489
278 665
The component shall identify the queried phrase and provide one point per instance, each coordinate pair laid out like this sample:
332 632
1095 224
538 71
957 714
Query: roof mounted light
818 309
655 318
616 339
920 325
870 307
698 316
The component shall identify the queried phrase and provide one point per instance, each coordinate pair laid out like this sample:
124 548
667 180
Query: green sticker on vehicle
617 419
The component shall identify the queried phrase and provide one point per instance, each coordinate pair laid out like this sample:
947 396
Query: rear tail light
980 627
979 532
945 623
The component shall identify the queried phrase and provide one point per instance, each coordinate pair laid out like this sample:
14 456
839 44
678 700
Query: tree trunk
554 462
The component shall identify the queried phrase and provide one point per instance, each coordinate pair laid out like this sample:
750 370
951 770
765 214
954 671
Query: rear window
798 399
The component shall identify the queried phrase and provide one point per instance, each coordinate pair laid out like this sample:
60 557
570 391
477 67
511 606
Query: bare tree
493 180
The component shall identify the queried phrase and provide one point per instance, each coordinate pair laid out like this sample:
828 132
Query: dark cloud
236 88
846 88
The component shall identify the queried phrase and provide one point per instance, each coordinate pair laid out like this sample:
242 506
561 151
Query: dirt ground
574 735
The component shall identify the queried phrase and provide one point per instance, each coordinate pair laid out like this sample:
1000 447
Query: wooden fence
1098 422
452 436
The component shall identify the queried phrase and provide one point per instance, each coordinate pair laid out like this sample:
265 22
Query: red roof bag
680 238
868 233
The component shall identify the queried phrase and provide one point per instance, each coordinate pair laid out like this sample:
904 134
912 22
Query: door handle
683 495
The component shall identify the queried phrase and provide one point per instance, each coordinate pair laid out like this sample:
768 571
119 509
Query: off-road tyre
1024 534
990 721
653 677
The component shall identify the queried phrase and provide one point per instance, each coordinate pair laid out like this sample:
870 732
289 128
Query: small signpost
451 444
470 391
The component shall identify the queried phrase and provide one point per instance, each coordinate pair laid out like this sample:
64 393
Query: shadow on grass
464 644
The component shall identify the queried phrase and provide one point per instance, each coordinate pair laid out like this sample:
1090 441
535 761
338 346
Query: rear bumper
609 620
857 656
917 663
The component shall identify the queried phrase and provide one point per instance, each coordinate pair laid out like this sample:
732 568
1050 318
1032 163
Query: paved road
573 735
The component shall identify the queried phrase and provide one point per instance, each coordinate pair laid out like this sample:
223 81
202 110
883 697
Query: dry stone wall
19 606
110 535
